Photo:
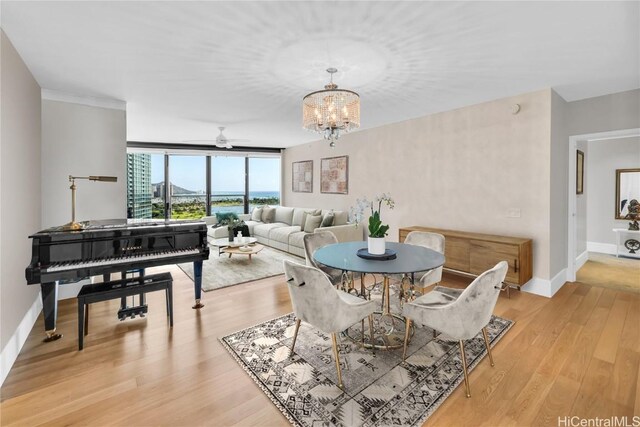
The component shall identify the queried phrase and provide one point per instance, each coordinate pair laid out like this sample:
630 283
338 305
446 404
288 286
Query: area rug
379 390
222 271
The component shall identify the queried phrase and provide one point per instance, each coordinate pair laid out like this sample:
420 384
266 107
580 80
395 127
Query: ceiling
185 68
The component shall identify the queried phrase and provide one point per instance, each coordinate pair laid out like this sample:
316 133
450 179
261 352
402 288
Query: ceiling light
331 111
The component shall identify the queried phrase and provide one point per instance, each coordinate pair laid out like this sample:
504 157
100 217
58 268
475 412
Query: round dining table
409 259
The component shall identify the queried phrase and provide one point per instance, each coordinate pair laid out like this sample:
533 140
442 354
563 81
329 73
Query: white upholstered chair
459 313
318 303
314 241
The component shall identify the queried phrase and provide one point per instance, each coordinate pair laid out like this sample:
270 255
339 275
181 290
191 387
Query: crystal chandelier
331 111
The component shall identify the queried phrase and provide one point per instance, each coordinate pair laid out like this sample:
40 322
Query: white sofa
286 231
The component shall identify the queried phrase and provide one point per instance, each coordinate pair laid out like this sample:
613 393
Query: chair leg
295 336
464 369
362 329
407 330
371 332
435 334
486 344
337 357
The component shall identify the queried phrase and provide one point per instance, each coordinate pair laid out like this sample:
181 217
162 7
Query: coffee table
253 249
222 244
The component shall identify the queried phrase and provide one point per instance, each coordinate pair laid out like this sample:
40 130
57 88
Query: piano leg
197 282
50 310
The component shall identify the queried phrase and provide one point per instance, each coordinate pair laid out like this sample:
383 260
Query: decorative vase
376 245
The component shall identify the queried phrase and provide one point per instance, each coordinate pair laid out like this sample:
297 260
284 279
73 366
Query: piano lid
112 224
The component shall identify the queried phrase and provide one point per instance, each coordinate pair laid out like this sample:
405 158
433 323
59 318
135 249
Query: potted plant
377 230
234 225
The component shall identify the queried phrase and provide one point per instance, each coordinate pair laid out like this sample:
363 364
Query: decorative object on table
331 111
627 191
388 254
73 225
459 317
379 389
633 214
334 175
377 230
221 272
579 172
302 176
235 226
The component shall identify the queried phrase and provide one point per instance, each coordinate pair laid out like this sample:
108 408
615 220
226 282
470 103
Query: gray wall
19 187
558 193
603 160
82 140
604 113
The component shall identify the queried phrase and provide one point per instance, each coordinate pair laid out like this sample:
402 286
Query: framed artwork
579 172
302 176
334 175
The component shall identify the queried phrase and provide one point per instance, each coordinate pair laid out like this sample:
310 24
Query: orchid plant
376 228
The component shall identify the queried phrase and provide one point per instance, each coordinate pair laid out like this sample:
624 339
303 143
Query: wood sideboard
474 253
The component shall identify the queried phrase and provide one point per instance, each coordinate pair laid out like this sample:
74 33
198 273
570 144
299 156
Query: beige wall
82 140
604 113
19 192
461 169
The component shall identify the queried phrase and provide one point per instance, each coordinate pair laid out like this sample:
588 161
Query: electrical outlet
513 213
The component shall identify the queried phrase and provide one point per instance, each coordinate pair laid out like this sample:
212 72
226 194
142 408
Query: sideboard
474 253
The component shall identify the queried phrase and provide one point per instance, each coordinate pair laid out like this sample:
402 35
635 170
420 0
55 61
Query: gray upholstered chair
314 241
459 313
318 303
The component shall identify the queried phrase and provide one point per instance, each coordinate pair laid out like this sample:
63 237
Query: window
227 184
188 177
264 181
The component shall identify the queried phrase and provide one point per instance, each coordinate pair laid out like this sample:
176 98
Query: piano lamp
73 225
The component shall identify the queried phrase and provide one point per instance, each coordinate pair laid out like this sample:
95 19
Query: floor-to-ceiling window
227 184
188 177
264 181
145 185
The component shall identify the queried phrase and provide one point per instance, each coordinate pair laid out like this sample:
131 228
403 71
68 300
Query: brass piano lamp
73 225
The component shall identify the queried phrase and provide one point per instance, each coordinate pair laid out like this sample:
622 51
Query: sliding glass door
188 177
227 184
264 181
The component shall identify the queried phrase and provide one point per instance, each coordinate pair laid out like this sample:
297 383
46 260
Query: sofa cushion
312 222
327 220
284 215
282 234
268 214
256 214
252 224
339 217
299 215
263 230
296 239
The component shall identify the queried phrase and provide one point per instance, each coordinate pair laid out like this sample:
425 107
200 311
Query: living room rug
222 271
379 390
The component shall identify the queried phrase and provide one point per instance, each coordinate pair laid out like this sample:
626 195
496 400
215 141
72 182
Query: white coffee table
222 244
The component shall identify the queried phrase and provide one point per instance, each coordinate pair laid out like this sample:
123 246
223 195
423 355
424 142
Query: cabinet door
456 253
485 255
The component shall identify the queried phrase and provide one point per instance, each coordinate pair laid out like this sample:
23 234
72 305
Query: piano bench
117 289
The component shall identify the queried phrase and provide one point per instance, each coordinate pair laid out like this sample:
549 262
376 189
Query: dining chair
426 279
318 303
314 241
458 313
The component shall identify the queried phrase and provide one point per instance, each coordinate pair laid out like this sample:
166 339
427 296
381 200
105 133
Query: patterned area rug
379 391
222 271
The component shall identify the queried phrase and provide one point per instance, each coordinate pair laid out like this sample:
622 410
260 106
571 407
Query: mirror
627 190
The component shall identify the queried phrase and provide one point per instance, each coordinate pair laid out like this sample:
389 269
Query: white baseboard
11 351
544 287
581 260
603 248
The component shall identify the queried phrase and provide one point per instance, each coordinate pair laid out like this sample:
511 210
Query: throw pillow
312 222
268 215
256 214
327 220
226 216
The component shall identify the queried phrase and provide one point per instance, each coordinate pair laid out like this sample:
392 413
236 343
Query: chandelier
331 111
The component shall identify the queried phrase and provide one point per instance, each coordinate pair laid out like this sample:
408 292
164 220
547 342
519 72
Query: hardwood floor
575 354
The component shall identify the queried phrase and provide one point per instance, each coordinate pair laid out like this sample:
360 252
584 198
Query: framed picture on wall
579 172
302 176
334 175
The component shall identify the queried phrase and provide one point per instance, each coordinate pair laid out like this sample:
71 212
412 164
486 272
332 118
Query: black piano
111 246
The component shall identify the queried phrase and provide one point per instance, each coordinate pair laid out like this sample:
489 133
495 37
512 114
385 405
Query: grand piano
110 246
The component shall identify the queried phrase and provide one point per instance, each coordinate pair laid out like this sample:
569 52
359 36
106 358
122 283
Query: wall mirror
627 189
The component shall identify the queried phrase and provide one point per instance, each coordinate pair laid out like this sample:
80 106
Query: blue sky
227 173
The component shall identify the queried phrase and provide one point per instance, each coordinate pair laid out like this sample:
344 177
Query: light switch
513 213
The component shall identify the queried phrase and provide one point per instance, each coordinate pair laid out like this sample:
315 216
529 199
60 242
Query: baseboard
544 287
581 260
603 248
11 351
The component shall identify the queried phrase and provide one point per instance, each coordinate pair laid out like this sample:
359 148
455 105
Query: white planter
376 245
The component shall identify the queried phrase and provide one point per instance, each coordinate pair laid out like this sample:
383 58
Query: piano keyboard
119 260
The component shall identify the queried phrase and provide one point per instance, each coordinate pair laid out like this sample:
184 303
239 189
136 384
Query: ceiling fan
221 141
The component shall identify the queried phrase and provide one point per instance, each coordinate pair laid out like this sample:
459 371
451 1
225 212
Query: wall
603 160
19 199
581 204
604 113
462 169
82 140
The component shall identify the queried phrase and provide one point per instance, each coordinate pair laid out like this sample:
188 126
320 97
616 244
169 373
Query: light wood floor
575 354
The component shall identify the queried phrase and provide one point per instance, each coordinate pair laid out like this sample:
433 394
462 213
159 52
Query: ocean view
193 205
